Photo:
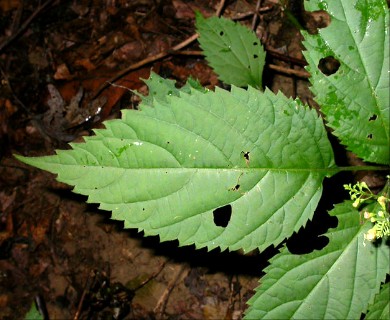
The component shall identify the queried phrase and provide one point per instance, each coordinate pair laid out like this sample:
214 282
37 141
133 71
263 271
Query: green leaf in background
337 282
232 50
33 313
160 88
240 169
380 309
355 99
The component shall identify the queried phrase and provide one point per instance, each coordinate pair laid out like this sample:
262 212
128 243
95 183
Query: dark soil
55 59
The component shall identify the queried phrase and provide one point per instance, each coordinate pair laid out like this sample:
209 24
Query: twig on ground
181 271
23 27
143 62
154 58
283 57
220 8
298 73
241 16
87 287
254 20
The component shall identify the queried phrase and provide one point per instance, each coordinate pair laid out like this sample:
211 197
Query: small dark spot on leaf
255 56
168 142
373 117
222 215
369 136
221 33
143 209
255 43
328 65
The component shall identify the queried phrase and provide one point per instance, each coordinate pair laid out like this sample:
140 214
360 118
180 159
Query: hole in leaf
255 43
255 56
314 20
246 155
221 33
369 136
236 187
373 117
329 65
222 215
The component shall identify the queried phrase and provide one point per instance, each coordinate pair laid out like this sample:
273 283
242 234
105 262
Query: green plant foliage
380 309
244 169
33 313
160 88
171 168
337 282
234 52
355 99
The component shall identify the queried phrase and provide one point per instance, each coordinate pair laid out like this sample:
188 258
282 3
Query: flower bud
370 235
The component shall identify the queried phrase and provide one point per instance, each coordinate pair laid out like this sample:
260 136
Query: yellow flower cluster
360 193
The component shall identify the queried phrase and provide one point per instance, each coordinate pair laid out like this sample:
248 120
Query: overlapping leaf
337 282
355 99
259 157
380 309
160 88
234 51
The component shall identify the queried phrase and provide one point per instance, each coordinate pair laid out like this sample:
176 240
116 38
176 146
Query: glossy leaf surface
232 50
337 282
175 169
355 98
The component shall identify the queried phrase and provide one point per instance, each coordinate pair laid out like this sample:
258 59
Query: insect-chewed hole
373 117
369 136
255 56
314 20
222 215
246 156
328 65
221 33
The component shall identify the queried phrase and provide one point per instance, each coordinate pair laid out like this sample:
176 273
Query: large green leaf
337 282
234 51
174 168
355 99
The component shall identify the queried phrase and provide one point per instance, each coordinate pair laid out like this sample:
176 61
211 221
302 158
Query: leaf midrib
236 169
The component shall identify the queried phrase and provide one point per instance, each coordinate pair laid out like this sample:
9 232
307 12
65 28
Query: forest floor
67 66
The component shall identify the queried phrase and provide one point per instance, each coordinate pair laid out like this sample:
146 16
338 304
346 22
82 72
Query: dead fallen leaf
62 73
